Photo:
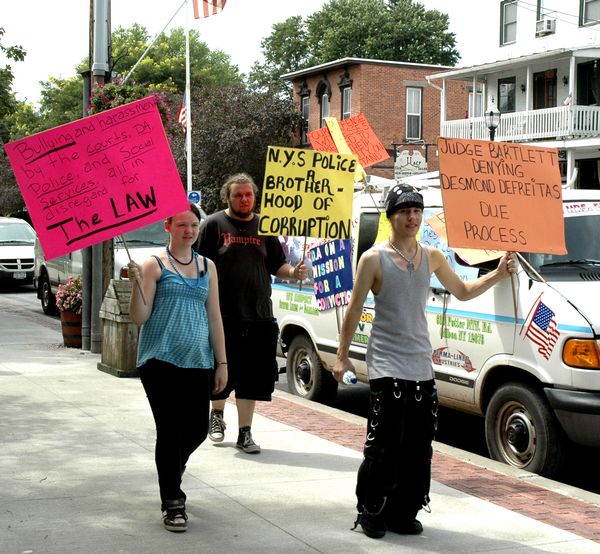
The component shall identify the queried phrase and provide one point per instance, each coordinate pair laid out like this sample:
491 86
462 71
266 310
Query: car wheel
305 374
521 430
47 298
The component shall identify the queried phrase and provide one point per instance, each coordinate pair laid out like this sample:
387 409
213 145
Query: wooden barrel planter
71 329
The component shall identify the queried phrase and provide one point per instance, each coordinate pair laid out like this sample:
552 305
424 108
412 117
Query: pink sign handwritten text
98 177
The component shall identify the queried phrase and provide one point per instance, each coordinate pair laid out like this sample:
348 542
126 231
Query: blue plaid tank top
177 329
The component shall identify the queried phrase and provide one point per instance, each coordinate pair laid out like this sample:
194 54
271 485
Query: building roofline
460 74
354 61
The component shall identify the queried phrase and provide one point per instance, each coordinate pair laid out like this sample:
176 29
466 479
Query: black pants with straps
395 475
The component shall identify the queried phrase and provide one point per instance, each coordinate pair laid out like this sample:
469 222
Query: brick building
401 105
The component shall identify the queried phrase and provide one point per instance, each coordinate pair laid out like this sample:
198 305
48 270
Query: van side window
368 225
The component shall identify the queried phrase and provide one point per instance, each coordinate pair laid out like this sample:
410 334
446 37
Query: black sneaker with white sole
174 516
216 428
245 442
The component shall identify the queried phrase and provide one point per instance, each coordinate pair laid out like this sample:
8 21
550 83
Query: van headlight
584 353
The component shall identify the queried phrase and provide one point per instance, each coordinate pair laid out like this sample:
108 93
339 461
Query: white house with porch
545 82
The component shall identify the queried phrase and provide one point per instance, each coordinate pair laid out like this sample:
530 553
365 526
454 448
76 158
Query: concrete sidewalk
77 475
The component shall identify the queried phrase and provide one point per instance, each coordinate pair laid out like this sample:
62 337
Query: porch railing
548 123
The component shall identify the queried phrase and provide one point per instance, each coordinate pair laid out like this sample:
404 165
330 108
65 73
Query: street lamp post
492 119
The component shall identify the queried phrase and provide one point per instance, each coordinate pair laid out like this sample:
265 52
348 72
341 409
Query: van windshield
16 233
583 249
151 235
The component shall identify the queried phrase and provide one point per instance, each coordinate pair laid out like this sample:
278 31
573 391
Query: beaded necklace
179 261
183 279
410 264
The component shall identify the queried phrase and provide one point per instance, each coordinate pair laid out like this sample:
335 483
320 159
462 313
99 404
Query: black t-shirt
245 262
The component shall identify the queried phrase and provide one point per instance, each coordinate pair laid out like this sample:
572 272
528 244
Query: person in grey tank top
394 477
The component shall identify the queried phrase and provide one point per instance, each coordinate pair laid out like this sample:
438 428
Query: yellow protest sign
307 193
384 229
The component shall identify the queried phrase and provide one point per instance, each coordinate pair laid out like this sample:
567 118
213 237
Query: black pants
252 359
179 399
395 475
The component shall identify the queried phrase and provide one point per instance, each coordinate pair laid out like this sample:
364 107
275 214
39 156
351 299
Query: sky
55 34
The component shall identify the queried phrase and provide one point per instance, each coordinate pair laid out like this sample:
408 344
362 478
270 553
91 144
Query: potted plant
69 302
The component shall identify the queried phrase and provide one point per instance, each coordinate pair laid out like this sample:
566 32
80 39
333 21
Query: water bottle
349 378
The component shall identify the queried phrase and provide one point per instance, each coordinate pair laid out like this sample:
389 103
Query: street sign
195 196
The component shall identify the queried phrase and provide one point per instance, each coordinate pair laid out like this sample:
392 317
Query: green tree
232 128
11 200
396 30
62 99
165 61
284 50
61 102
7 98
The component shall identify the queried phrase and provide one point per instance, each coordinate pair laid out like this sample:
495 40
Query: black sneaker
245 442
174 517
405 527
372 526
216 431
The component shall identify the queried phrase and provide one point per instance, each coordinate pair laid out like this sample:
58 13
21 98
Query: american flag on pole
543 330
182 113
209 7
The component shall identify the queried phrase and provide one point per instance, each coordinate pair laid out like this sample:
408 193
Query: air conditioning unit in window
545 27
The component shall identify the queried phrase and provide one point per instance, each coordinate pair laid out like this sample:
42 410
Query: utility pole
102 254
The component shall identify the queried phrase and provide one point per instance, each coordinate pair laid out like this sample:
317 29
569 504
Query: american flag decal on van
542 329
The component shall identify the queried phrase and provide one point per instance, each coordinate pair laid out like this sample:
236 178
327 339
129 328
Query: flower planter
71 329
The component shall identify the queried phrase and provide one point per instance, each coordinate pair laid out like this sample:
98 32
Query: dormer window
324 96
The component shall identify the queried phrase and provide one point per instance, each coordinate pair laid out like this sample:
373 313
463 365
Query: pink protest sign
95 178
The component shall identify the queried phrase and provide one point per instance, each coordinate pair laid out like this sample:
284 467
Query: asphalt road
455 428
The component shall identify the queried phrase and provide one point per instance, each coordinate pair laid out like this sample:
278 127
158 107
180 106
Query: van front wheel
306 376
520 430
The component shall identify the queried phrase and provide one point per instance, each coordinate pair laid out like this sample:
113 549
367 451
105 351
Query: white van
535 378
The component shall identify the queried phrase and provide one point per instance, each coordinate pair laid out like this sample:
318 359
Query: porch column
570 167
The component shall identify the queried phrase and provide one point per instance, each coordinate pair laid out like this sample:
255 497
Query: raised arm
465 290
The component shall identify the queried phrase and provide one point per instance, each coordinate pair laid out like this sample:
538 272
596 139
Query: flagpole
188 127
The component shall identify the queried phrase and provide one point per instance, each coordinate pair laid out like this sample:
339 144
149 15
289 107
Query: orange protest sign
359 137
501 196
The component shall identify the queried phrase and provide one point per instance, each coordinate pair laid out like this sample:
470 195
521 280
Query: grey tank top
399 344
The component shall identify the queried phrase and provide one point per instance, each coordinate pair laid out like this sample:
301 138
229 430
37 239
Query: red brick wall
379 92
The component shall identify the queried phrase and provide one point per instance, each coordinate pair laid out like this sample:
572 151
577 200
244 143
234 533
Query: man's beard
241 215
